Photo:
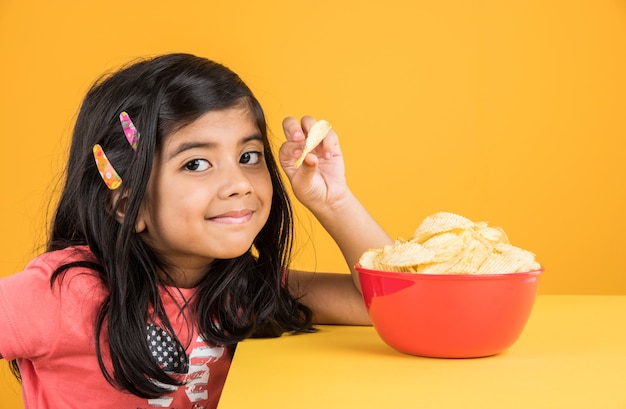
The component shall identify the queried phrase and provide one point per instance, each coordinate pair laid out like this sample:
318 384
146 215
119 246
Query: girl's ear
120 213
140 223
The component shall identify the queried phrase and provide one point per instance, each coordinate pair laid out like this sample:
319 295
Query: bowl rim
458 276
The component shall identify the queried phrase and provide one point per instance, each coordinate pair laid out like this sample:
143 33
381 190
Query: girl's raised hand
320 181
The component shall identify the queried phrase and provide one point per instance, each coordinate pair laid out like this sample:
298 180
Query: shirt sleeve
29 313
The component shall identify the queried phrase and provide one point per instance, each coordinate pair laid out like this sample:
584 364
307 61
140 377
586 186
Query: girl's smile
233 217
209 194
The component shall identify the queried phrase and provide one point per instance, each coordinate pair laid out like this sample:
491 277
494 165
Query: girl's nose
234 182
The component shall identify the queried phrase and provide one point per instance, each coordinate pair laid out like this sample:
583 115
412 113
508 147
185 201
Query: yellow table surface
572 354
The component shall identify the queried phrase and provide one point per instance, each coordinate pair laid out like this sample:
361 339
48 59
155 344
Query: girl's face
209 193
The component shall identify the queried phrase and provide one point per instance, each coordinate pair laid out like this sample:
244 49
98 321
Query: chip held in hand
316 135
446 243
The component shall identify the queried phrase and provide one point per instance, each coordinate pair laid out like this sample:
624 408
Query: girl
170 244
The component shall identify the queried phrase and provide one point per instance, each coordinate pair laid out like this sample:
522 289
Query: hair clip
107 172
111 178
129 130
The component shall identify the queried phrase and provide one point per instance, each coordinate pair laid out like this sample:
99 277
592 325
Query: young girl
171 242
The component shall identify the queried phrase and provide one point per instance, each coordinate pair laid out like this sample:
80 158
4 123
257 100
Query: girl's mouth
234 217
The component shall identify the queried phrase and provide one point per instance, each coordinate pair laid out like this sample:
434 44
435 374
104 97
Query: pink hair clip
129 130
108 173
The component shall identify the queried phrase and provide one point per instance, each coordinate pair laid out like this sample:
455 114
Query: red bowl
449 316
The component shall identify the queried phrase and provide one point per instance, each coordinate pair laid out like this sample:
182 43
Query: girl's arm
333 297
321 186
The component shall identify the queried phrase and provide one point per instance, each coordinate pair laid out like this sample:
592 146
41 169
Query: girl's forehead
215 127
225 122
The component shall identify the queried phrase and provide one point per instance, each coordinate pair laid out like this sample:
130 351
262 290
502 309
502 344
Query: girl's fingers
293 130
307 122
329 144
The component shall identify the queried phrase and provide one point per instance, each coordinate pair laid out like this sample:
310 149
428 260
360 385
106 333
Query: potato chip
525 258
368 259
499 264
371 260
434 268
446 246
494 234
474 258
406 254
316 135
440 223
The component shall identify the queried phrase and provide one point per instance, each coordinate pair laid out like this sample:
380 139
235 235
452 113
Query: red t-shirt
50 331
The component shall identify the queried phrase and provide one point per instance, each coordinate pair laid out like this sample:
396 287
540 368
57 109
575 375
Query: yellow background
511 112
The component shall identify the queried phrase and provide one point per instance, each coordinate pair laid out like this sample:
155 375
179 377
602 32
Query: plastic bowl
449 316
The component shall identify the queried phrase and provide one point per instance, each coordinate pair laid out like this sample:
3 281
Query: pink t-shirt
50 331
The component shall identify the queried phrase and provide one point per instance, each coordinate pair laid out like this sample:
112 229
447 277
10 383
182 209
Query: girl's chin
237 252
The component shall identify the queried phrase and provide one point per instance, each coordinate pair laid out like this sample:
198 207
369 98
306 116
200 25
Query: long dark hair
242 297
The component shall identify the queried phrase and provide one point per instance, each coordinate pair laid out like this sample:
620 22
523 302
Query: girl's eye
251 158
197 165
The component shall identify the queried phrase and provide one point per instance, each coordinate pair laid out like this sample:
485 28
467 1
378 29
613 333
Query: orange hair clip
107 171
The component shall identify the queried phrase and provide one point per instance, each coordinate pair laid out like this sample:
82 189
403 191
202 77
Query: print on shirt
169 354
193 370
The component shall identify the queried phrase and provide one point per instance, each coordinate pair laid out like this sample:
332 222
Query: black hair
242 297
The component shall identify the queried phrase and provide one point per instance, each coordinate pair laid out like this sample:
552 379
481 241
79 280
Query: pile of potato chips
446 243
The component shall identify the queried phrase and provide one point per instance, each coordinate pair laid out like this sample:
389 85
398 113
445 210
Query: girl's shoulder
54 259
40 270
